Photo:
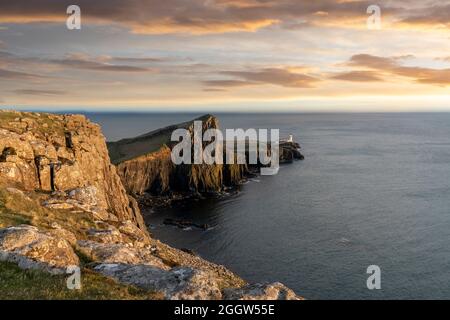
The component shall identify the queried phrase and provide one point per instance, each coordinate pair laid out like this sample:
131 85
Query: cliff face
63 153
145 165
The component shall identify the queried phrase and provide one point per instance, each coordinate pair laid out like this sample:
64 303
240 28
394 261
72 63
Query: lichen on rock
31 248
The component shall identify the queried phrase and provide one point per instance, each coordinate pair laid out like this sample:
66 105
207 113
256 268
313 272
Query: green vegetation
19 208
33 284
23 208
130 148
45 123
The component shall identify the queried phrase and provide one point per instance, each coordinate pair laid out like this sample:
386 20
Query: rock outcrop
144 163
269 291
62 204
63 153
34 249
179 283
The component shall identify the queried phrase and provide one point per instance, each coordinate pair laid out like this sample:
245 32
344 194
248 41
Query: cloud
80 61
39 92
358 76
138 59
446 59
218 16
272 76
9 74
393 66
436 15
228 83
266 76
214 90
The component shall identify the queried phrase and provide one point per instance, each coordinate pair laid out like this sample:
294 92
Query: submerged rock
184 224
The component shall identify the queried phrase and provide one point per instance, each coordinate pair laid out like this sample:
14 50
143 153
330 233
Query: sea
373 190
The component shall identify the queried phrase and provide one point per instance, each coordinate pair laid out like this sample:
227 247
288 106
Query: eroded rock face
143 170
34 249
272 291
50 152
176 284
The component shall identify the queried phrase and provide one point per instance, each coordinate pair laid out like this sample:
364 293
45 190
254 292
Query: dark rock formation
290 151
184 224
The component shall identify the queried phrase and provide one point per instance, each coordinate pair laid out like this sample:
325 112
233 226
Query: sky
226 55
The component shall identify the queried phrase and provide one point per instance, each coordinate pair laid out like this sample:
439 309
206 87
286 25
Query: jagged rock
272 291
144 163
177 284
134 233
62 152
31 248
109 235
145 166
60 232
118 253
84 199
177 257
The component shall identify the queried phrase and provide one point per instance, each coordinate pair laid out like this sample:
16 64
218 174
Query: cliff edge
144 164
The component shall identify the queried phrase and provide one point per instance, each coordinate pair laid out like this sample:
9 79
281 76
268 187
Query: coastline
58 166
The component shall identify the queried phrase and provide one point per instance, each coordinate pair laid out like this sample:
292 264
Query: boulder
108 235
271 291
31 248
176 284
118 253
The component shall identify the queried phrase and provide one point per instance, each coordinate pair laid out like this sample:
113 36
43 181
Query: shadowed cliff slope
145 165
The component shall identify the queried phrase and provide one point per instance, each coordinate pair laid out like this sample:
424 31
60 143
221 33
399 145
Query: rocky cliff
65 154
145 165
62 206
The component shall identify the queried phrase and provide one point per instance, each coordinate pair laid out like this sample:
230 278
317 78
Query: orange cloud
392 66
219 16
273 76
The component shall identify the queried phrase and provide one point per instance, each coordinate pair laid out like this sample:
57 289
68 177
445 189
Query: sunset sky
226 55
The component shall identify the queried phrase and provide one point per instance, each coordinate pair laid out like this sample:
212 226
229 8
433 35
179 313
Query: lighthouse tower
290 138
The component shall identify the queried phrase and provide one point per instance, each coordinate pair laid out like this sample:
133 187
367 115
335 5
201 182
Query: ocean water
374 189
